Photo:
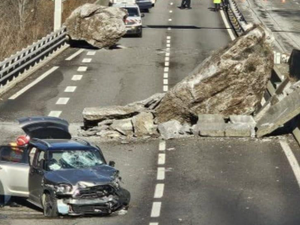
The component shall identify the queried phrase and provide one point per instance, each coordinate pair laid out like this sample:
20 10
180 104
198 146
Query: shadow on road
185 27
81 44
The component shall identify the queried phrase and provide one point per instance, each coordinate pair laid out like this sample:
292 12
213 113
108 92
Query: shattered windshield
74 159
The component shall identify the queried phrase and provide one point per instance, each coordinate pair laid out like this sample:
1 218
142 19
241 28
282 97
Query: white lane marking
166 75
162 145
153 223
230 32
74 55
169 28
156 207
171 3
165 81
62 101
82 69
170 11
168 46
70 89
160 173
166 69
167 63
170 20
77 77
168 41
159 190
167 54
37 80
87 60
167 59
292 160
168 37
55 113
161 159
165 88
91 53
167 49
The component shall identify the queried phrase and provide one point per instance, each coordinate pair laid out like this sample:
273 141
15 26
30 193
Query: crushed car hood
98 175
45 127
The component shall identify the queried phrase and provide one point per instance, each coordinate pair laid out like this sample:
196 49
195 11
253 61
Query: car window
12 154
32 154
133 12
39 158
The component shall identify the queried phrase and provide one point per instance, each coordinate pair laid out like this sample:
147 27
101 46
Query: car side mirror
142 15
112 163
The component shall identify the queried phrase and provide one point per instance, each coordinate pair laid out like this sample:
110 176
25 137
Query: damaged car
65 176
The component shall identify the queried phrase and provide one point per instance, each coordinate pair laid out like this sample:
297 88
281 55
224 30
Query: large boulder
231 81
100 26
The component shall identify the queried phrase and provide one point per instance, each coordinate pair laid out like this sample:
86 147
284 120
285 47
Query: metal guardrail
23 60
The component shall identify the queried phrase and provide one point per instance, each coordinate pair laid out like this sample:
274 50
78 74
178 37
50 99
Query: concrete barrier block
245 119
210 118
238 130
210 129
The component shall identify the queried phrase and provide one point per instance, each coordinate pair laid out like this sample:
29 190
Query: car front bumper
133 29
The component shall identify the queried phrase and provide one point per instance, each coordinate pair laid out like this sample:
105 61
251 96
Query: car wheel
140 34
49 206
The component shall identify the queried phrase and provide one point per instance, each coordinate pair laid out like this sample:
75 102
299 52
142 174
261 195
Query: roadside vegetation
26 21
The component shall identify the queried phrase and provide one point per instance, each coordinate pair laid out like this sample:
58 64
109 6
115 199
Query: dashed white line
44 75
82 69
62 101
171 3
166 75
168 46
156 207
91 53
166 81
170 20
87 60
167 54
153 223
159 190
74 55
292 160
167 59
167 63
169 28
165 88
161 173
168 41
55 113
167 49
170 11
77 77
166 69
70 89
162 145
161 159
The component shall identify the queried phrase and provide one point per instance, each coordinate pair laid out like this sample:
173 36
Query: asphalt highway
189 181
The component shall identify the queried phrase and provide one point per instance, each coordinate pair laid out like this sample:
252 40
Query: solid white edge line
44 75
159 190
292 160
153 223
230 32
74 55
161 173
161 159
156 207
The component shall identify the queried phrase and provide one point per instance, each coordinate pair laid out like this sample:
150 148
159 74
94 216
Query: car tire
140 34
49 206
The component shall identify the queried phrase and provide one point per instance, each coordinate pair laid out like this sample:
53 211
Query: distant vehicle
145 4
134 20
59 174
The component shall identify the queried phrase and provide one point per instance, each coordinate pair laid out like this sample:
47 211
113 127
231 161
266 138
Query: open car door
14 172
45 127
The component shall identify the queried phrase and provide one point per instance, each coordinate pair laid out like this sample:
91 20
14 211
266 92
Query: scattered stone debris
216 100
98 25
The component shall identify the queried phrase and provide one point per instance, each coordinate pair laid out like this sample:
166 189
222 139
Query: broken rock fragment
231 81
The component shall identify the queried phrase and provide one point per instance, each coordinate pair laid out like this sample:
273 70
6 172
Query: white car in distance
134 20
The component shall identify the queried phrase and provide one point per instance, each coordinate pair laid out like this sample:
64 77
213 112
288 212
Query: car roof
61 144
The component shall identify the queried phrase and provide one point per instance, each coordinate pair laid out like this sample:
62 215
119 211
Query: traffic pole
57 14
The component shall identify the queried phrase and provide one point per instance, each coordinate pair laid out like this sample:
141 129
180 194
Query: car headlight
63 188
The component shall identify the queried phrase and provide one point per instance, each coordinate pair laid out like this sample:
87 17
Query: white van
134 20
